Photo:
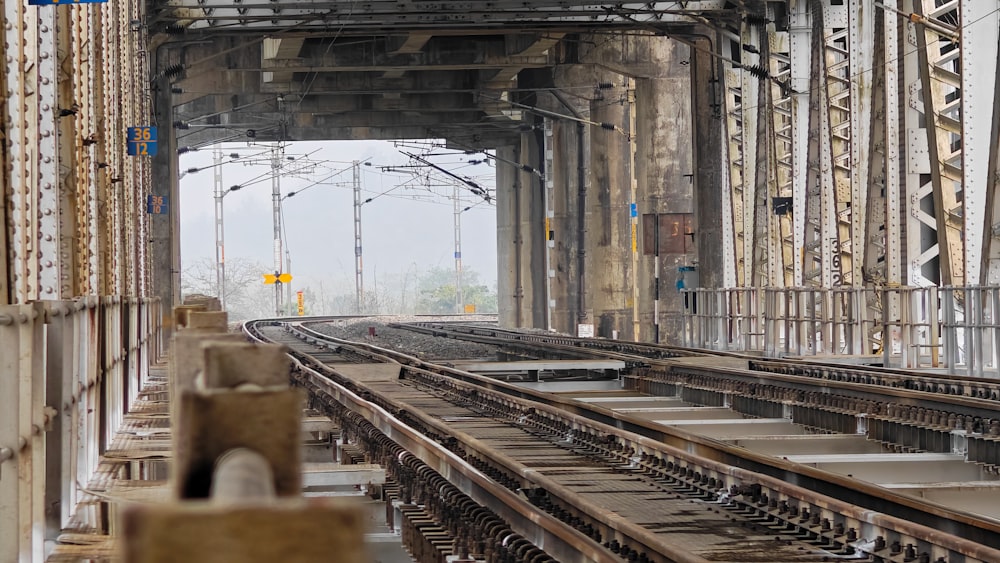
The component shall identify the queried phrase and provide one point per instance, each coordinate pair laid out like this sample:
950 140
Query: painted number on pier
141 141
156 204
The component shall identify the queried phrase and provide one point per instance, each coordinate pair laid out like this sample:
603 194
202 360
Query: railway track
941 384
577 465
937 413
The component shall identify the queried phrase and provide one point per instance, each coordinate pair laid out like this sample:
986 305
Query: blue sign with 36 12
141 141
57 2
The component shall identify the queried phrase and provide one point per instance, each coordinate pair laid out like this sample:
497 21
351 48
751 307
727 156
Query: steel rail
865 500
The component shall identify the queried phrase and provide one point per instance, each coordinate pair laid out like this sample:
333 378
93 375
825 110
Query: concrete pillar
706 103
665 169
532 230
609 241
569 178
509 289
521 268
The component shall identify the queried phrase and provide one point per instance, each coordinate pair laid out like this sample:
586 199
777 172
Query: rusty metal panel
667 233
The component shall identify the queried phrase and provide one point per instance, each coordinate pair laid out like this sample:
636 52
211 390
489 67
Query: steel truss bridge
850 146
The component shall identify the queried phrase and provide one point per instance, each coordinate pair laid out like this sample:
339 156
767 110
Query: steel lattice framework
76 78
880 125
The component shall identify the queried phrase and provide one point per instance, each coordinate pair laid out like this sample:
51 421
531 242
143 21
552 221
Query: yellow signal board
280 278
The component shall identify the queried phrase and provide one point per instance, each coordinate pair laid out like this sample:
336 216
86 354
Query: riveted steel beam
938 57
980 32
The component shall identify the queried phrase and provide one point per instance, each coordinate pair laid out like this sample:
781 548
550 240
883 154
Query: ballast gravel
423 346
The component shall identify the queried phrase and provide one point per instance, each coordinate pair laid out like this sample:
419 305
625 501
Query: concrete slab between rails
368 372
887 468
537 365
735 429
708 361
980 497
806 444
572 387
338 475
680 413
631 401
844 359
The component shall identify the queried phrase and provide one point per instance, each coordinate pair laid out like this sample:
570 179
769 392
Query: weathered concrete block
186 358
181 313
214 421
229 364
290 531
208 321
210 303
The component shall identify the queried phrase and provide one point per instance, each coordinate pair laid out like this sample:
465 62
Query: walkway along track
779 500
934 412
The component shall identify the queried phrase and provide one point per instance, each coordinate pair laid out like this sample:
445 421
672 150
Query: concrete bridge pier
609 234
634 123
521 234
664 173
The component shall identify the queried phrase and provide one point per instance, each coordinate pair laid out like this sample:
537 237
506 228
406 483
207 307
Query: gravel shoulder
423 346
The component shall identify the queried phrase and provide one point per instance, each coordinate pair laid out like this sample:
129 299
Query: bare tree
246 295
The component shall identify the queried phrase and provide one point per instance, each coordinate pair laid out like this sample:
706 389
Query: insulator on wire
757 71
756 19
605 85
608 126
174 29
173 70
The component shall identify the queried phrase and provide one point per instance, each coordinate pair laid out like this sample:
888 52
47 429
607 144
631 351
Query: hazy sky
407 225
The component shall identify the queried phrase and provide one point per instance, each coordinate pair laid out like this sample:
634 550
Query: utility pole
458 250
220 233
288 286
276 211
359 282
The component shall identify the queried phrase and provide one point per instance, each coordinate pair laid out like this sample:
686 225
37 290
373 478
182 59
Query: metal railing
68 371
952 329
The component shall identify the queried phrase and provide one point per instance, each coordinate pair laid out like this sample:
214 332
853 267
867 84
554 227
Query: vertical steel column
31 109
741 101
980 33
878 222
858 72
60 388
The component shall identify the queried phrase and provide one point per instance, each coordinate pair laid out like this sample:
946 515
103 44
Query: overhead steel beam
385 15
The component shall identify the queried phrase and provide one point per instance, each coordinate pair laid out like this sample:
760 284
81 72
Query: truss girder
941 89
836 178
783 135
401 16
740 123
852 117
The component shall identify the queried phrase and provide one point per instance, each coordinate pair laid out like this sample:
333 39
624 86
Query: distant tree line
413 292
